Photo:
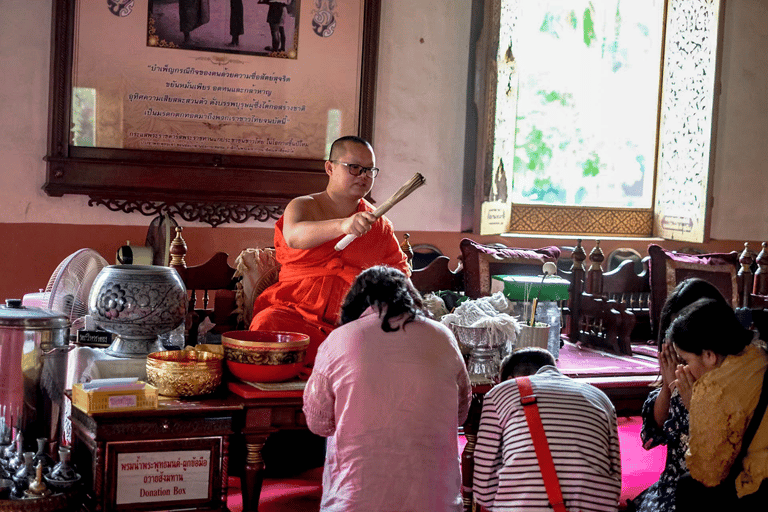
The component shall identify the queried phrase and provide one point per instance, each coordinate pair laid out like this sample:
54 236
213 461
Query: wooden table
208 424
158 459
180 426
261 417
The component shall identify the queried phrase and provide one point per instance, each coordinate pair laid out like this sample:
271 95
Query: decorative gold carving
265 357
580 220
178 250
214 214
253 453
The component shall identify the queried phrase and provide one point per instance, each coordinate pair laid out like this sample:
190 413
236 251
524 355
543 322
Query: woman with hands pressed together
665 417
721 384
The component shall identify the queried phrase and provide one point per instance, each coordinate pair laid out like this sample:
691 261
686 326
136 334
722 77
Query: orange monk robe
313 282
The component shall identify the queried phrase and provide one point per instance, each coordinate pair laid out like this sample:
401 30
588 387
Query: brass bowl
178 373
264 356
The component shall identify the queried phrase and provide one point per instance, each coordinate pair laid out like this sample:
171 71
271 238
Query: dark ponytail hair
685 293
388 290
709 324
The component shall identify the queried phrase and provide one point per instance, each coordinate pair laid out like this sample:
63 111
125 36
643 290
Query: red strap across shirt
543 454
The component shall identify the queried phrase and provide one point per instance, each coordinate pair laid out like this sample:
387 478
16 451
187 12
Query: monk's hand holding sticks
404 191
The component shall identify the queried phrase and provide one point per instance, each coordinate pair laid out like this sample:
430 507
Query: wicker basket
114 401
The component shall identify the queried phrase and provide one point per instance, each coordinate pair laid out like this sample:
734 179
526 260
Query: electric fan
67 293
69 286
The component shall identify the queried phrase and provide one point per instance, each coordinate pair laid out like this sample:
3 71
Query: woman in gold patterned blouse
720 385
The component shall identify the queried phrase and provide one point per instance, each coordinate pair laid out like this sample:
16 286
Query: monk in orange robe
314 277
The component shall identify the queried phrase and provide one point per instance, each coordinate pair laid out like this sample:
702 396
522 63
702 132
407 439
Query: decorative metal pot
137 303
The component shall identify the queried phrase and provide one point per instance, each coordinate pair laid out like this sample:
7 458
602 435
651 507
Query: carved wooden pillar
178 250
224 471
577 288
405 246
760 286
745 276
594 279
253 477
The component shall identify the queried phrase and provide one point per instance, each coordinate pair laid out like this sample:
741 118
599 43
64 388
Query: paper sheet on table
291 385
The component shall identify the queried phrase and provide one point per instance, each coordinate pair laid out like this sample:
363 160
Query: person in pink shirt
389 390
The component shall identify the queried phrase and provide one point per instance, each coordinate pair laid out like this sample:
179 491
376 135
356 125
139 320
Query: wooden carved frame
207 187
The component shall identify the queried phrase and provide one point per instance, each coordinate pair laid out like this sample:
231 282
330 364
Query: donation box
172 458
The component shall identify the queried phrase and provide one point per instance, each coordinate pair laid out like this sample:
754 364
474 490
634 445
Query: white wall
420 108
740 192
419 123
419 115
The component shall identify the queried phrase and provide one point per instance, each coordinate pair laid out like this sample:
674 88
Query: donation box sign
163 476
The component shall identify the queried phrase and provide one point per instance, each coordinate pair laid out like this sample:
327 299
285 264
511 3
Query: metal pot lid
15 315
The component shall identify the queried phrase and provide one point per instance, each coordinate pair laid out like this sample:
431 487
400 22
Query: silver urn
137 303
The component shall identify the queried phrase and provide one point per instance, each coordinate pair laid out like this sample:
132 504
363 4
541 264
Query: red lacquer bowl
264 372
264 356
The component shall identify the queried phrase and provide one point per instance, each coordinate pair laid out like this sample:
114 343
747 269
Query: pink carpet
577 361
640 468
298 494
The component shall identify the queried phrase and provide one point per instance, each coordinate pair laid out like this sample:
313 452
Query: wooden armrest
437 276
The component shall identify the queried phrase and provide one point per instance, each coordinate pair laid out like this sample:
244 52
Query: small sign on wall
495 217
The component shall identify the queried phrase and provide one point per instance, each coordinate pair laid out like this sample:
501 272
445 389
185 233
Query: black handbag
691 495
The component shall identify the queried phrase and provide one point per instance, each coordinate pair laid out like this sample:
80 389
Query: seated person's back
389 390
581 430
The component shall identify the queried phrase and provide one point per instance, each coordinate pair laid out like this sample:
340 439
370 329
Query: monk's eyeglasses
357 170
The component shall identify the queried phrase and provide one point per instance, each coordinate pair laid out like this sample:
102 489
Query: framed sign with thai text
211 110
175 473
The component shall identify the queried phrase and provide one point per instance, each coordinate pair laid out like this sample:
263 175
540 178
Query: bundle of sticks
404 191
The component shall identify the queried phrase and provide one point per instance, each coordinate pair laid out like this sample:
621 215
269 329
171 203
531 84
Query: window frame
496 217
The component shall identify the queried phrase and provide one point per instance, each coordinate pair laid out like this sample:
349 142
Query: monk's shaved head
340 145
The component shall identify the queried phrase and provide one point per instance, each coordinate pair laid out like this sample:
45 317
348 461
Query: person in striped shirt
581 429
